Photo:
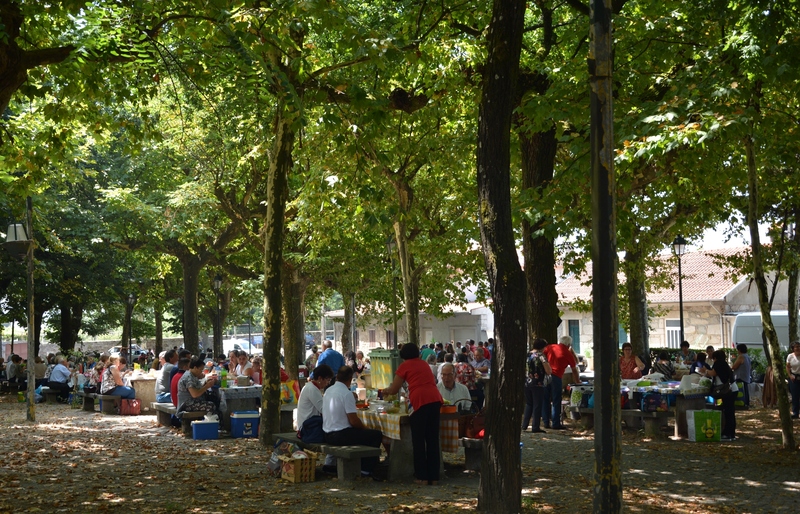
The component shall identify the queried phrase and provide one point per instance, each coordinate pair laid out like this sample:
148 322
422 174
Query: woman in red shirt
424 420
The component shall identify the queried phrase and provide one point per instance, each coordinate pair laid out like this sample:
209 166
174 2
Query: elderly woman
112 383
424 420
630 365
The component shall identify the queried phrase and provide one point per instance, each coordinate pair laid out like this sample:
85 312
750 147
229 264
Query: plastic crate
298 470
383 366
245 424
204 430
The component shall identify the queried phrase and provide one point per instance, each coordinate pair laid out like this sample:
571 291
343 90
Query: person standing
332 359
741 371
538 371
723 371
560 357
793 369
426 402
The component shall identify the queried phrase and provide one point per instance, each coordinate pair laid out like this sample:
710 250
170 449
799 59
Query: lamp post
131 302
20 244
679 246
390 247
218 324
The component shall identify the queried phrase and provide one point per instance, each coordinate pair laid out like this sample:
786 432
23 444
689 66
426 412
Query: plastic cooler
383 365
203 430
244 424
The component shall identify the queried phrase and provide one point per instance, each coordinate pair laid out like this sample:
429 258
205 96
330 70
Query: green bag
704 425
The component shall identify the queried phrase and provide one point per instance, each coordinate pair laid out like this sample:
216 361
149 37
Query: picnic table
234 399
398 428
145 386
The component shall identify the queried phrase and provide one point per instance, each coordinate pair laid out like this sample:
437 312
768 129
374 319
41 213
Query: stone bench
653 421
165 411
473 453
109 406
50 395
88 400
348 458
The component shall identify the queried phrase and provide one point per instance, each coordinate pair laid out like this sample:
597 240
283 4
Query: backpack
537 372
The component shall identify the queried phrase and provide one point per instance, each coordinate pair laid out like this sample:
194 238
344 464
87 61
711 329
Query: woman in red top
425 401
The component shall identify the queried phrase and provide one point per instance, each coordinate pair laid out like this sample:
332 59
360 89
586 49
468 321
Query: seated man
163 382
59 379
342 425
192 390
452 391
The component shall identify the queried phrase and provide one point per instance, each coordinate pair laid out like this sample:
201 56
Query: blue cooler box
202 430
244 423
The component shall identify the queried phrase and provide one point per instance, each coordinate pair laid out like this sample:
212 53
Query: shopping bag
290 391
130 407
704 425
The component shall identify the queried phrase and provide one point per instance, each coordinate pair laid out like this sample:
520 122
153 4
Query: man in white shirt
59 379
340 422
453 391
163 383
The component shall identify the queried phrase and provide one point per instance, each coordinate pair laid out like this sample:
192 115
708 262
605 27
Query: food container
244 424
204 430
242 381
448 409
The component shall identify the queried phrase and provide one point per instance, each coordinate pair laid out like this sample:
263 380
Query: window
371 336
673 327
574 329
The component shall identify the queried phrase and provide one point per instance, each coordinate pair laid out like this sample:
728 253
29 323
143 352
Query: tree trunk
538 160
126 331
191 266
294 292
501 475
277 192
781 376
637 304
410 281
794 281
347 326
159 321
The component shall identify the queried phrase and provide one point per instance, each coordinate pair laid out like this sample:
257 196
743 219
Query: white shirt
337 403
794 363
309 404
240 370
459 392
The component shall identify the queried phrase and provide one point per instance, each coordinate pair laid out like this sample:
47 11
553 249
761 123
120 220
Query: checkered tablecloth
389 425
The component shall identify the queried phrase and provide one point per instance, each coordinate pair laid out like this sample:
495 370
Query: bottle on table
223 378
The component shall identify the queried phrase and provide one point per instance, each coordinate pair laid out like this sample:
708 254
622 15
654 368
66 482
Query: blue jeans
555 391
546 405
126 393
164 398
794 387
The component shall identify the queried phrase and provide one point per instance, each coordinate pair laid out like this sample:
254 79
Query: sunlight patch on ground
791 486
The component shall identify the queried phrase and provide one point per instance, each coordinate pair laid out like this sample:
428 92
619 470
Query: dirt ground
76 461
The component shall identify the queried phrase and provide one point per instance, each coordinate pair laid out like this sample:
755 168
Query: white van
239 344
747 328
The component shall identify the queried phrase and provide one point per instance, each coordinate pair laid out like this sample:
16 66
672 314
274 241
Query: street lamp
218 325
390 247
679 246
20 244
131 303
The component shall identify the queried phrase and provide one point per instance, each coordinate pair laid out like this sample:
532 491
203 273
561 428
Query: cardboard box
204 430
704 425
245 424
298 470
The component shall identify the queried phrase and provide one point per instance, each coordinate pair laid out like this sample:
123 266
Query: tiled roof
703 280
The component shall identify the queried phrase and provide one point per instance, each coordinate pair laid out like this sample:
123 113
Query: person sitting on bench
59 379
112 380
192 390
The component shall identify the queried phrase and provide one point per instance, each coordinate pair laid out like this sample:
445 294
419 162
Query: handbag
720 388
130 407
474 425
311 431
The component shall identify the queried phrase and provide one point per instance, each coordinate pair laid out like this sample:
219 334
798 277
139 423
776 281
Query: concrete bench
653 421
165 411
348 458
88 400
473 453
109 406
50 395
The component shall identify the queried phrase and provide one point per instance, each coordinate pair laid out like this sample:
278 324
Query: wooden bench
473 453
109 406
653 421
348 458
165 411
88 400
50 395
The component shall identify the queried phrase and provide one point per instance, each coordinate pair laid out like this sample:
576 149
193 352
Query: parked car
239 344
135 350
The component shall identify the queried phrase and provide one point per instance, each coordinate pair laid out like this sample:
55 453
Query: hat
162 354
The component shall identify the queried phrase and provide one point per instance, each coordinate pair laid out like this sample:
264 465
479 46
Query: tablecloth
389 425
